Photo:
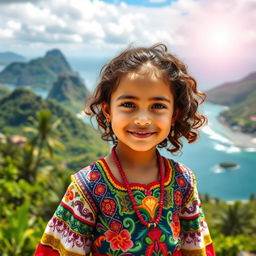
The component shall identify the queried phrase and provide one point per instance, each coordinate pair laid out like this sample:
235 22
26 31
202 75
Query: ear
175 116
106 110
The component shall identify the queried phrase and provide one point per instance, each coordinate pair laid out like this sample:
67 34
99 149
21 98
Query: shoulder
85 181
87 175
183 179
182 171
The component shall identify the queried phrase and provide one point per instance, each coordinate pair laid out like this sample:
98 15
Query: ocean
203 156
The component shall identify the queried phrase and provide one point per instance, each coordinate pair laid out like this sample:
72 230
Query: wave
250 149
228 149
216 136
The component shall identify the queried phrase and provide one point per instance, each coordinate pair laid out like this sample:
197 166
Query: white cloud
81 25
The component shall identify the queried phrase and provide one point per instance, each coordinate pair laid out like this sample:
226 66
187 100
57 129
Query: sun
216 39
220 38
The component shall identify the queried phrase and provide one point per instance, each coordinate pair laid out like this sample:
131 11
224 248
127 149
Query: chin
142 148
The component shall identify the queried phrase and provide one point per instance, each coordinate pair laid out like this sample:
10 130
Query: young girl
135 201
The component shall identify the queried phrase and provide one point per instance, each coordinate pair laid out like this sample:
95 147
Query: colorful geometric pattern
96 217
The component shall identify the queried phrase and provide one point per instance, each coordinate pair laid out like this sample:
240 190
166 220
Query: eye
128 105
159 106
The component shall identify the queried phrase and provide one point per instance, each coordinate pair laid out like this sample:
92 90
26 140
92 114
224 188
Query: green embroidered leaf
162 238
148 240
141 233
165 230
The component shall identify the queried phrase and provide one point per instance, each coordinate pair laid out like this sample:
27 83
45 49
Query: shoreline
239 139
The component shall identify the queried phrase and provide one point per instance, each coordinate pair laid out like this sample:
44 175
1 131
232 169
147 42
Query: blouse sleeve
69 231
195 236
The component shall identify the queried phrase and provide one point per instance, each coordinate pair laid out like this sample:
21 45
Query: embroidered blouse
96 217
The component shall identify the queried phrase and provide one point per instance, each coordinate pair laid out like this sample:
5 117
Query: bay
212 148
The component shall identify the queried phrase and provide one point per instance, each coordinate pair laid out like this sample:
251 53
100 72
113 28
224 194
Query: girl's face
141 110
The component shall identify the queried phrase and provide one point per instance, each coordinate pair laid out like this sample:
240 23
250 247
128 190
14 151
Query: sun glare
218 39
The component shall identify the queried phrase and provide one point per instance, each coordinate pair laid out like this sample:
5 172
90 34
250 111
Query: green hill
240 96
37 73
70 91
4 91
81 140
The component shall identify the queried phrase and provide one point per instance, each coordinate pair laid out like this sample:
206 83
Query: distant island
9 57
228 165
240 97
37 73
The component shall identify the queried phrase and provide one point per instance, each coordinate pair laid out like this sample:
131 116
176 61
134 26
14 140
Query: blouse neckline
138 186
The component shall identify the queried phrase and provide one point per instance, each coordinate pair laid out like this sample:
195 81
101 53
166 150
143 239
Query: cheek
119 118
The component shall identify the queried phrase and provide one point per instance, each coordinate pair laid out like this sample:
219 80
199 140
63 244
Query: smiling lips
142 134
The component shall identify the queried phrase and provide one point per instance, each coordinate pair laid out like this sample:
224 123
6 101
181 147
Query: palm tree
235 219
45 137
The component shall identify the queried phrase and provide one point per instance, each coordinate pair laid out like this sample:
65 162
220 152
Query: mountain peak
69 90
54 52
39 72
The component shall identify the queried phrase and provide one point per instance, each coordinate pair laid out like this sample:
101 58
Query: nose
142 119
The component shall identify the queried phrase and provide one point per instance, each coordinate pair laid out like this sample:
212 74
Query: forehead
142 87
148 81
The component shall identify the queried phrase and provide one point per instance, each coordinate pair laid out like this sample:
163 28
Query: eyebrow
125 97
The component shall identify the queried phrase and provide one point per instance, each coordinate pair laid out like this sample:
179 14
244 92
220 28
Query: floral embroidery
181 182
93 176
69 194
156 240
108 206
119 241
100 189
150 204
175 226
178 197
97 209
115 226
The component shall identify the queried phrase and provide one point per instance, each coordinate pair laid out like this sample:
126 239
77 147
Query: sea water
213 147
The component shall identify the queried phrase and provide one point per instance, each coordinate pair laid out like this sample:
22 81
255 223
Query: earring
172 131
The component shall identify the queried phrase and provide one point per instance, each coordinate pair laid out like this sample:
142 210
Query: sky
215 38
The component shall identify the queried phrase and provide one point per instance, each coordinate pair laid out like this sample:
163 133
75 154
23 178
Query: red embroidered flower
157 245
119 241
178 197
108 206
93 176
175 226
100 189
115 226
181 182
69 194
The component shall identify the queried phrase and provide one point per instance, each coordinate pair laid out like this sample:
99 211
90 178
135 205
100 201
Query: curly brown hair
184 87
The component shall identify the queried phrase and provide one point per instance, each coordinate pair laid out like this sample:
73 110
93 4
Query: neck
131 159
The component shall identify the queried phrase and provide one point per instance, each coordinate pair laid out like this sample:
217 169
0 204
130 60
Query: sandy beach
239 139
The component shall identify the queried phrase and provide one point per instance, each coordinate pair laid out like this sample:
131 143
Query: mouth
141 134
